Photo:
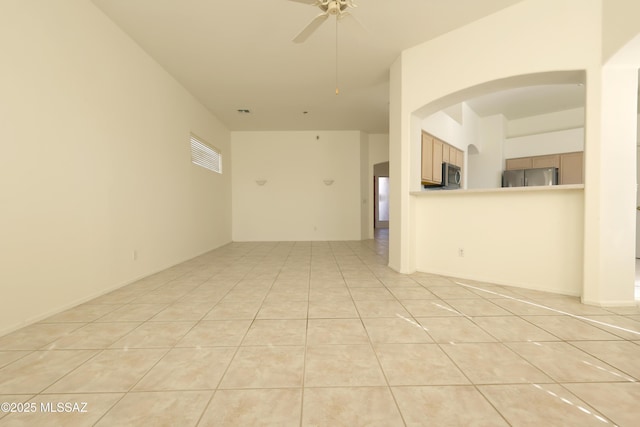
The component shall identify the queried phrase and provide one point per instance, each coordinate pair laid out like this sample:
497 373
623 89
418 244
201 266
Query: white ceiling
238 54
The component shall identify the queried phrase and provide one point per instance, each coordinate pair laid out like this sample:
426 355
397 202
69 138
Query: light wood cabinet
427 158
519 163
446 150
459 158
570 165
572 168
552 161
434 153
438 147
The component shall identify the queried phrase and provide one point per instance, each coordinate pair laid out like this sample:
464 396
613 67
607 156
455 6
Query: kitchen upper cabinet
427 158
459 157
432 154
570 165
552 161
572 168
446 149
438 147
519 163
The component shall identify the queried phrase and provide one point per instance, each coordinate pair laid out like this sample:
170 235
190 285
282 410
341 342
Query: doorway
381 195
381 205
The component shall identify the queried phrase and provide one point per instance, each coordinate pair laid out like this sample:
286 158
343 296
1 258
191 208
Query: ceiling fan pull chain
337 90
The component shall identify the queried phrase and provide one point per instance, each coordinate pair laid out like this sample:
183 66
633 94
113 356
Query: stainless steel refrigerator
530 177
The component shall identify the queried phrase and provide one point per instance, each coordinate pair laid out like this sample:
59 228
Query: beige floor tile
336 331
418 364
351 406
265 367
452 292
565 363
534 405
182 312
429 308
454 329
488 290
436 281
568 328
332 309
326 283
283 309
625 310
64 410
477 307
493 363
398 282
231 310
309 304
381 309
446 406
133 313
154 335
7 357
119 296
571 305
412 293
276 332
621 326
285 294
342 365
622 355
617 401
160 296
188 369
36 371
371 294
109 371
267 407
82 313
533 294
36 336
169 408
522 307
364 282
216 333
93 336
329 294
396 330
513 329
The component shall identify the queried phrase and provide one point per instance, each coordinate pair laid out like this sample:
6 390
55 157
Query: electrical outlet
461 252
134 254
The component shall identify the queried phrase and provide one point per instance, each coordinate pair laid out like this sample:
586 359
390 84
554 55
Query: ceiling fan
337 8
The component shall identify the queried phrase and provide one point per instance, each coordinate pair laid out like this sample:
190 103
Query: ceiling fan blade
309 29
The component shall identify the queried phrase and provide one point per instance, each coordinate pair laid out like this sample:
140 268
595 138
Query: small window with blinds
202 154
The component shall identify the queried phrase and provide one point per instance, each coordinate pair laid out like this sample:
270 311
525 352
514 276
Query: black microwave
451 176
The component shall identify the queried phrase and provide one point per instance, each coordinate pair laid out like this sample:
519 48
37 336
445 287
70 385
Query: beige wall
295 204
95 162
531 239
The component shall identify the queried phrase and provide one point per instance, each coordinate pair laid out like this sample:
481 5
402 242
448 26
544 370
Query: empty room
319 213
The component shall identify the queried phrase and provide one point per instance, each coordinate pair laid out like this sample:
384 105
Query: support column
610 186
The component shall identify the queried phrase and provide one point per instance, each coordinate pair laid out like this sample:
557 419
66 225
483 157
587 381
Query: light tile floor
322 334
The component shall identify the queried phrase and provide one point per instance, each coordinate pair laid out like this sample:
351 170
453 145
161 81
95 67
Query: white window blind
206 156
